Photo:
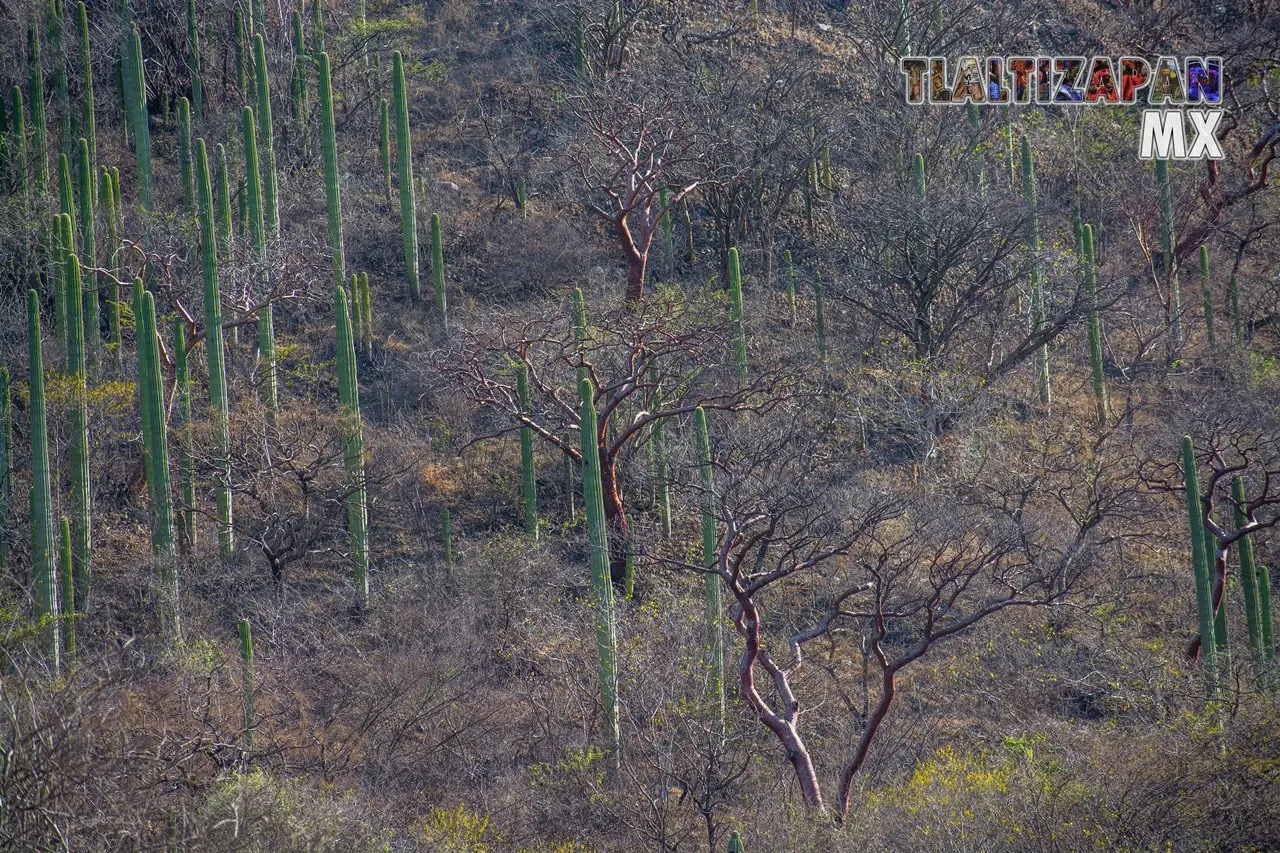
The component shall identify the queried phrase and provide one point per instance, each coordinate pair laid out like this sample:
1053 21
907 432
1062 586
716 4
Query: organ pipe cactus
1094 326
384 145
66 197
78 434
601 584
214 350
1043 390
332 190
317 29
710 559
184 156
107 200
736 844
18 137
1253 613
736 318
366 314
1168 265
66 591
404 158
59 57
151 395
224 205
437 269
91 308
43 571
1200 568
298 85
136 103
237 27
88 125
35 94
270 210
528 474
186 436
253 186
1208 294
352 449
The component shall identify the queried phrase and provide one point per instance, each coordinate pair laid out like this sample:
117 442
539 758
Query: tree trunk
864 744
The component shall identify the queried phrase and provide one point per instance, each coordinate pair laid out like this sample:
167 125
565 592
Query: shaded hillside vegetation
569 425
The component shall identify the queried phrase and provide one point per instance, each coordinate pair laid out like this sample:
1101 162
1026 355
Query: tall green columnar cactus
6 467
298 86
58 57
253 188
193 62
317 29
137 105
404 157
352 448
736 317
384 145
151 394
1237 321
78 433
1094 325
437 270
246 680
601 585
366 314
43 569
242 70
184 157
270 209
88 125
35 94
1208 295
224 205
91 307
267 360
710 559
357 322
186 436
18 145
791 285
1168 264
1200 567
668 237
528 474
66 196
522 198
66 591
107 200
64 246
332 189
918 260
1043 390
736 844
214 350
1249 586
446 537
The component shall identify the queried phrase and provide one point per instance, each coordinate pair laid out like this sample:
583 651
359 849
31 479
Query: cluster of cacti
738 330
404 158
1200 568
601 583
437 271
43 570
332 190
1042 387
528 473
214 349
151 399
710 562
352 448
1168 263
1094 324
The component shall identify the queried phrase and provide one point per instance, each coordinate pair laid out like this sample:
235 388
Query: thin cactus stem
137 105
357 322
214 350
1213 552
736 844
404 158
384 145
184 157
88 125
66 592
332 188
352 449
253 178
151 385
107 198
1237 321
299 83
601 584
246 678
317 29
224 205
366 314
528 473
1208 295
736 317
237 26
63 247
66 196
91 308
437 270
35 94
710 550
193 62
1249 587
522 198
186 437
1200 567
668 240
19 140
78 429
43 570
662 489
270 209
1094 326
